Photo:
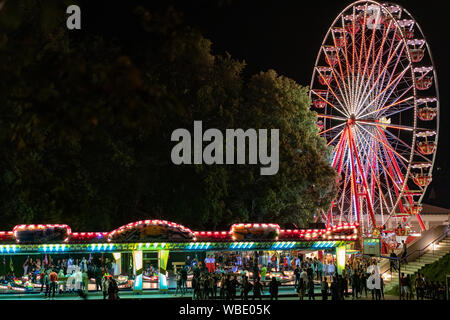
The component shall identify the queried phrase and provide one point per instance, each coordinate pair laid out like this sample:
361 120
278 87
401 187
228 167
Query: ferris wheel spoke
362 48
408 146
390 112
332 140
332 91
346 62
341 75
353 56
385 96
374 63
376 123
395 103
343 112
388 125
380 160
332 128
393 163
397 189
383 72
331 116
367 59
366 94
384 90
387 145
355 155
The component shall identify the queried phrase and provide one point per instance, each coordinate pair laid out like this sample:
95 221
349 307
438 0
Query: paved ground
284 294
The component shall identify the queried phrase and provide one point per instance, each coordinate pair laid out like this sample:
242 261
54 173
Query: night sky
286 36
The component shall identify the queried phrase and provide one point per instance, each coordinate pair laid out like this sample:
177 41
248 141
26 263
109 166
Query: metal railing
423 251
418 253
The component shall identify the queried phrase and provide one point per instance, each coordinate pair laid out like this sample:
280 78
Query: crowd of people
233 277
434 290
69 275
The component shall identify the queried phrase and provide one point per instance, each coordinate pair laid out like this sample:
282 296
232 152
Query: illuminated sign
372 246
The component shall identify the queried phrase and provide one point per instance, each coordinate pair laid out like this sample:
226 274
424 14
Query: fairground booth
146 255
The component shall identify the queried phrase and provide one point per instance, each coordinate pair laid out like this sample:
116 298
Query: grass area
437 270
393 291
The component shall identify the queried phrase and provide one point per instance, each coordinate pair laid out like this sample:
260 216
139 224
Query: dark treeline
86 123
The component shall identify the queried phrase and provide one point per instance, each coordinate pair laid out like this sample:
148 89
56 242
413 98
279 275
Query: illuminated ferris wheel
375 90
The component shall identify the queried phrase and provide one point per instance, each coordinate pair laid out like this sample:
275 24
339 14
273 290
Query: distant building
431 216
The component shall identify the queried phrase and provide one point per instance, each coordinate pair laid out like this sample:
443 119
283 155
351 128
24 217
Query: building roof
430 209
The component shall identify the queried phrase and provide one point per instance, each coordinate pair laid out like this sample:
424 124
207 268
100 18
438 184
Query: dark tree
86 125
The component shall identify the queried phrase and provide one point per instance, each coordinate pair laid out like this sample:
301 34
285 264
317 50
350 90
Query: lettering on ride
235 147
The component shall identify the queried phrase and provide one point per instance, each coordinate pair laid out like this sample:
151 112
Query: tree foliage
86 125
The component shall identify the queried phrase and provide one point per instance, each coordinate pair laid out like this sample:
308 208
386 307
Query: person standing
273 289
256 271
223 288
393 261
212 260
319 270
311 294
409 294
355 285
420 286
42 278
301 288
310 271
304 277
363 284
208 263
257 289
215 280
98 278
104 286
403 287
331 270
47 283
296 276
60 282
83 265
345 276
324 289
334 290
404 252
112 289
25 267
246 288
233 286
53 277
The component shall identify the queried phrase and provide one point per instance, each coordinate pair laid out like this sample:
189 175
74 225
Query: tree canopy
86 123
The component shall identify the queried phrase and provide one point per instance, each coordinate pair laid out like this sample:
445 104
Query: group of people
32 268
222 282
205 284
69 275
433 290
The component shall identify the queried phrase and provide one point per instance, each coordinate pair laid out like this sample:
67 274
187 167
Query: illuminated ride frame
163 237
374 87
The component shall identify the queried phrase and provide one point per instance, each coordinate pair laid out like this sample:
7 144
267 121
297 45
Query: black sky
286 36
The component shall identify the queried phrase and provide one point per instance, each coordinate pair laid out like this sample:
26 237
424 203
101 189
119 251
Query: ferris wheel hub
352 120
